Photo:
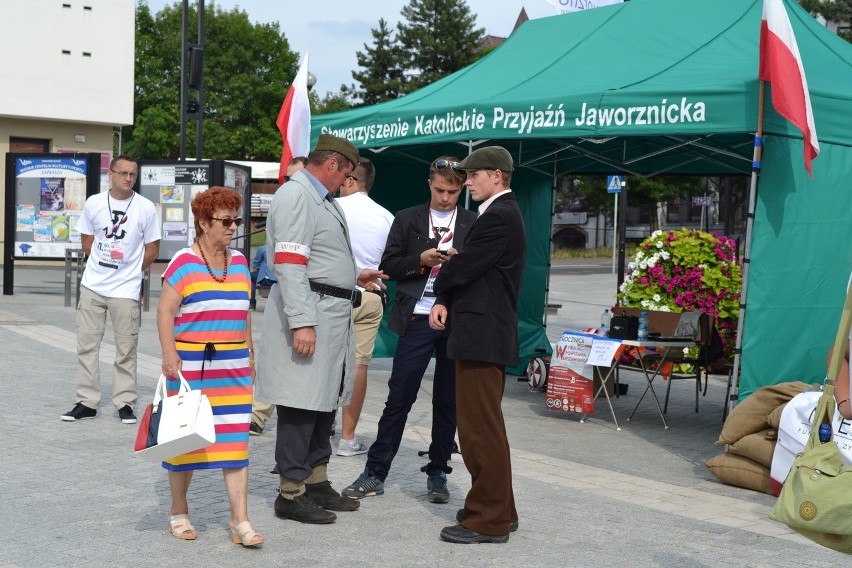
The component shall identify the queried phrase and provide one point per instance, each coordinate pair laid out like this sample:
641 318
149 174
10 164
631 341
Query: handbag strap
840 339
823 414
160 391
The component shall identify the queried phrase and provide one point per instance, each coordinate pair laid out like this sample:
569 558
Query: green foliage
439 38
435 38
247 71
332 102
382 77
588 193
835 10
687 270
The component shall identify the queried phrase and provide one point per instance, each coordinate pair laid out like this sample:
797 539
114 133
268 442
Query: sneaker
437 487
366 485
350 447
126 415
79 412
255 429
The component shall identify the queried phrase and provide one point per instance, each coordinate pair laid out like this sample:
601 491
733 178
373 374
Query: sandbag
758 446
749 416
740 472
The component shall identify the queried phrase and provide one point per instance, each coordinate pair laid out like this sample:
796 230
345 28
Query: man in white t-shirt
369 224
120 233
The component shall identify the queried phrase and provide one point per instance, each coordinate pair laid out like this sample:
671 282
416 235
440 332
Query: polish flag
294 120
781 65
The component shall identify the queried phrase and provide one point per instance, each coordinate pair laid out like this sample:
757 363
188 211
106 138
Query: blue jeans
412 356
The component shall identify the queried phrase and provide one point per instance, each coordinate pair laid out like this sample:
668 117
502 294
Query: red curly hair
206 203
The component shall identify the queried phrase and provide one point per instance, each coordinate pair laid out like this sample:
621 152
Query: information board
49 193
171 186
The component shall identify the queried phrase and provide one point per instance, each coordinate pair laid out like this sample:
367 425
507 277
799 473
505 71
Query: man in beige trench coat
306 359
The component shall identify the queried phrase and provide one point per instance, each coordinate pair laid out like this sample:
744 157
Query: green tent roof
644 88
674 80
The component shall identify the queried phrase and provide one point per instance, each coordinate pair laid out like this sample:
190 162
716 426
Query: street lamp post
192 77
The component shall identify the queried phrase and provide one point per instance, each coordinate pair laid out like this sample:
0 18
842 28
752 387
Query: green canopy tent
645 88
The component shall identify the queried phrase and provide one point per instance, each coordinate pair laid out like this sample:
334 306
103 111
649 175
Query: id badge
116 252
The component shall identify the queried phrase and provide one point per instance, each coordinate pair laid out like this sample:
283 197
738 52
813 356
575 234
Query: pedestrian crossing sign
613 184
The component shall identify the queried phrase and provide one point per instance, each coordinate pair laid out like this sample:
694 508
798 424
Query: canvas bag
185 423
795 428
816 500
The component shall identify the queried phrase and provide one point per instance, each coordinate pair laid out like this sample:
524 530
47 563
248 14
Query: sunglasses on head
227 221
444 164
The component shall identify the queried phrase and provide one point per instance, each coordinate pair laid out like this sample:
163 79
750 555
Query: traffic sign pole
614 228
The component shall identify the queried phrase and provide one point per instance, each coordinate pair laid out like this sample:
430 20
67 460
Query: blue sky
333 30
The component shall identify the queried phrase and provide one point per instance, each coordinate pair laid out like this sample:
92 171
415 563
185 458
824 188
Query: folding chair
709 351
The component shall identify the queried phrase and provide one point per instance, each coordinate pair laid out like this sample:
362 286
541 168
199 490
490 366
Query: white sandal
244 534
179 525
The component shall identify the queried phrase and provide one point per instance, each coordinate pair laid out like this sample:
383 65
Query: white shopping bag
795 428
185 422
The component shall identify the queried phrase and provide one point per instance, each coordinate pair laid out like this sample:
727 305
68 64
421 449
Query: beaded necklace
210 270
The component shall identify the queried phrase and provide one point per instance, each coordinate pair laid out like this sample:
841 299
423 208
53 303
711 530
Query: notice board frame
44 193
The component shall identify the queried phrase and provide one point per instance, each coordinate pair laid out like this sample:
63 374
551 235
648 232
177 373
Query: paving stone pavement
75 495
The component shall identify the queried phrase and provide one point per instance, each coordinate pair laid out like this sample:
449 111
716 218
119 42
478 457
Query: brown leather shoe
324 495
302 509
460 535
513 526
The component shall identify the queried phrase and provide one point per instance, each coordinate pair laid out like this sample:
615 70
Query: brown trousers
490 503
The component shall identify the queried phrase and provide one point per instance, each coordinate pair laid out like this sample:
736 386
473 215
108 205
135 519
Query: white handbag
185 422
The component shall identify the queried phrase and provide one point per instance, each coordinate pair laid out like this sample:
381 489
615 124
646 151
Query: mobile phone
445 252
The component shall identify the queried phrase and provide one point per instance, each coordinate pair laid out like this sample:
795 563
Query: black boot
324 495
301 508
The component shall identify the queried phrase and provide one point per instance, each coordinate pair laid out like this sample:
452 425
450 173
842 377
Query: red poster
568 387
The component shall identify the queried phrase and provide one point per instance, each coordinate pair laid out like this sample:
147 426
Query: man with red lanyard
421 240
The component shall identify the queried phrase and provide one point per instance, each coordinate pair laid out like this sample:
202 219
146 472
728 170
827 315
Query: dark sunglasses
227 221
444 164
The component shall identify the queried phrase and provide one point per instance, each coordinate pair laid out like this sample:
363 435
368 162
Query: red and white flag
294 120
781 65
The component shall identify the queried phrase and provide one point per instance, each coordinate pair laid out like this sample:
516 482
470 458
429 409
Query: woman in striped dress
205 333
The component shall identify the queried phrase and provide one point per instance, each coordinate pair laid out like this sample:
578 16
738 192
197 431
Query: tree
834 10
438 37
247 71
382 76
332 102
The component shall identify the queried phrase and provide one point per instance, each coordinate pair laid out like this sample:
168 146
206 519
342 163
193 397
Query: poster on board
171 187
50 192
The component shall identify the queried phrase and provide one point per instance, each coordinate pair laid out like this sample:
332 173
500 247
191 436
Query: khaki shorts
367 318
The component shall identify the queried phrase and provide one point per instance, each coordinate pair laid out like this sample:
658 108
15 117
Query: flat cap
329 143
488 158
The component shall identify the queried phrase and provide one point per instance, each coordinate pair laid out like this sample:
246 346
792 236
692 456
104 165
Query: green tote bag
816 500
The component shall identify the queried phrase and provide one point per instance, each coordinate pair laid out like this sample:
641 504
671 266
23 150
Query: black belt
351 294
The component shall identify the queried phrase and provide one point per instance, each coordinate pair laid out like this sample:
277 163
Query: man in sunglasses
421 240
307 349
120 234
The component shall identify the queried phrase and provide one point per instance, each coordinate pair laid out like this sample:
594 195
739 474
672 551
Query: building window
28 145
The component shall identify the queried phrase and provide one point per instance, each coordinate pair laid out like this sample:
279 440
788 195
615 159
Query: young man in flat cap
477 292
307 354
